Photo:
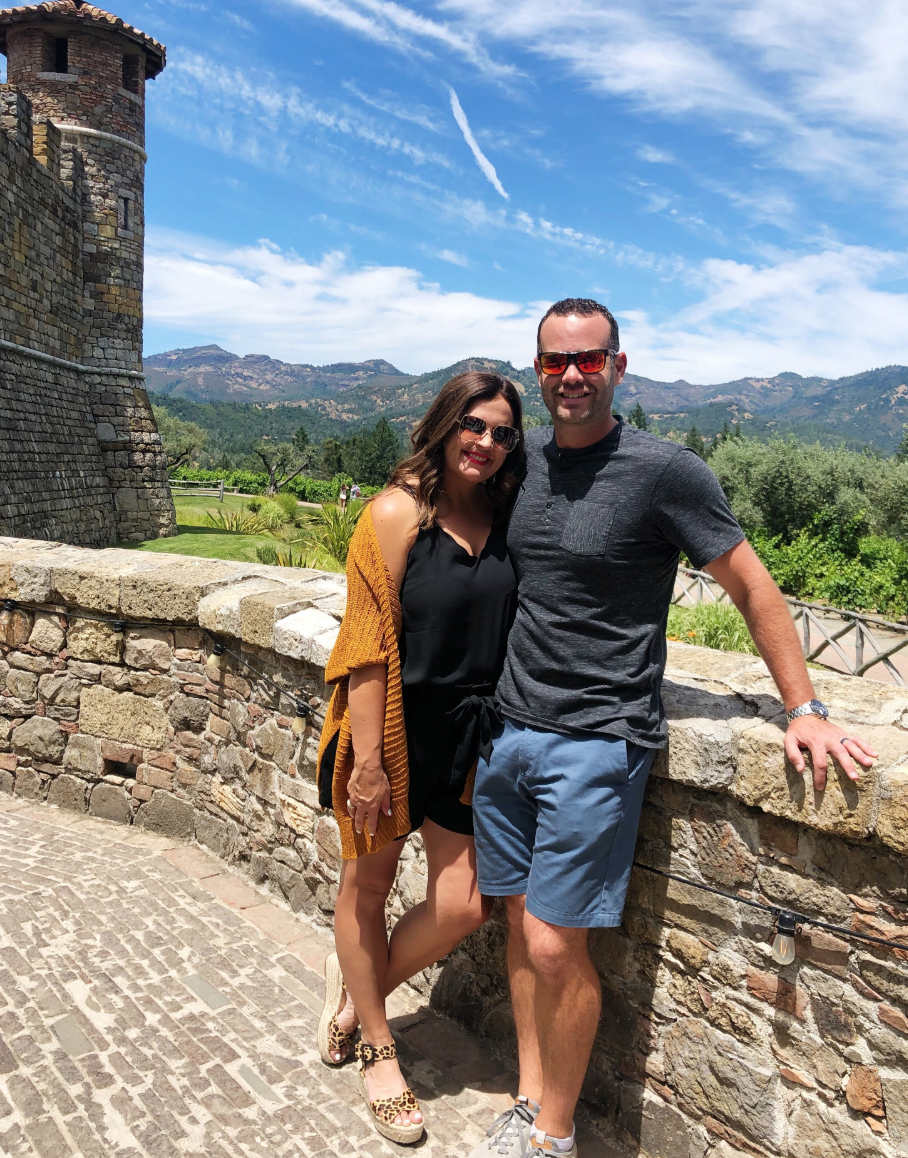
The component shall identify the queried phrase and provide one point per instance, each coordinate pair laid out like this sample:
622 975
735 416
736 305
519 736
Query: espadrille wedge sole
331 1038
385 1110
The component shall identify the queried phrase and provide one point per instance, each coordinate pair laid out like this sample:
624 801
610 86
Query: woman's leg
361 939
453 907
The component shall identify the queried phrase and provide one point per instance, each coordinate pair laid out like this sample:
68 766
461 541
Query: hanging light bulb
213 663
119 627
301 719
783 947
9 605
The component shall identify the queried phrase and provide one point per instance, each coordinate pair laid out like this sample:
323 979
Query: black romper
457 609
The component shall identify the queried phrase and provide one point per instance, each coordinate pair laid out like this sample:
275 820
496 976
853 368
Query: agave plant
333 528
246 522
300 553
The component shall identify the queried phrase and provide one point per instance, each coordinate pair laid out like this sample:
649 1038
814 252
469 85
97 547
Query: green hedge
308 490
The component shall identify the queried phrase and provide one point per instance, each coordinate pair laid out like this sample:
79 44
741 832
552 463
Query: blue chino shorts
556 818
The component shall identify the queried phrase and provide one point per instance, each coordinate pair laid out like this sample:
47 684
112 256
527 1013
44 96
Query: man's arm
759 600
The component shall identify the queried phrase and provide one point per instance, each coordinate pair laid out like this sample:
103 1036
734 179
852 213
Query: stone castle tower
80 457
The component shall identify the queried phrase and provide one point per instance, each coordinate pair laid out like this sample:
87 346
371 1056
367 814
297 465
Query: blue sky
333 180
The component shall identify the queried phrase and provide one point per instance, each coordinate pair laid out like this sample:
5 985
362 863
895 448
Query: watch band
811 708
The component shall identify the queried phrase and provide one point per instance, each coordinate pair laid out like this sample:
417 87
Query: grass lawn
195 538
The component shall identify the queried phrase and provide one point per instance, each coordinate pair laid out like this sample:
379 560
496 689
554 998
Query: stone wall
80 456
706 1048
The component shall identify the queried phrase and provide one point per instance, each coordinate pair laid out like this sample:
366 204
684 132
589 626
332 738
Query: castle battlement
80 457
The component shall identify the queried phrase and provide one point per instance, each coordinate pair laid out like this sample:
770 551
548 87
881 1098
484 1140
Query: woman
431 595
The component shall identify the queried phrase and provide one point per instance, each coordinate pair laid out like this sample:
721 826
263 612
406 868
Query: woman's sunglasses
586 361
505 437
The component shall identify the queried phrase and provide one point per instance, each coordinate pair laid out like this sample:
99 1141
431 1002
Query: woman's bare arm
396 526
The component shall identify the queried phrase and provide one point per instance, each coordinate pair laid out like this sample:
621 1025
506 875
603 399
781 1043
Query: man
595 536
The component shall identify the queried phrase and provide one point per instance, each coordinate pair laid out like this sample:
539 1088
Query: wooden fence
183 486
859 642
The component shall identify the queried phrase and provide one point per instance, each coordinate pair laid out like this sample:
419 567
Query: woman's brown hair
422 474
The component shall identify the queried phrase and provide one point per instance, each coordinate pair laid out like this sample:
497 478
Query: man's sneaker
509 1134
540 1145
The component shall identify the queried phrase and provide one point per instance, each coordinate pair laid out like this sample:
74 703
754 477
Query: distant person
355 492
342 497
595 538
431 595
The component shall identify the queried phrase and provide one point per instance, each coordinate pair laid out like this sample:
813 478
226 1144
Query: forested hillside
240 400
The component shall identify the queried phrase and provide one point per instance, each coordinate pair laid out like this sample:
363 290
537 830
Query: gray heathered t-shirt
595 537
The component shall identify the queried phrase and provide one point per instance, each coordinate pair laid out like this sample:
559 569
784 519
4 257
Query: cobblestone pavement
154 1004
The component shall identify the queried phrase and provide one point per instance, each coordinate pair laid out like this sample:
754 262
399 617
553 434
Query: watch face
819 709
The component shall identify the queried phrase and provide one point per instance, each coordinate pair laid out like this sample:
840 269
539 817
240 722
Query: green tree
638 417
301 439
694 441
373 455
331 458
182 440
282 462
902 453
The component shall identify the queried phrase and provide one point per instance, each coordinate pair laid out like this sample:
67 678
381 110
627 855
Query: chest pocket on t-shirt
588 528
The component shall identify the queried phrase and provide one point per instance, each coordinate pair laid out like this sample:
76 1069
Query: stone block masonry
706 1048
81 460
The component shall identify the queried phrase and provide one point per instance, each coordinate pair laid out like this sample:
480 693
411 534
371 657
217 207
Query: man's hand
822 737
368 795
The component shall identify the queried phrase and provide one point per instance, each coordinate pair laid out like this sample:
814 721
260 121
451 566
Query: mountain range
867 409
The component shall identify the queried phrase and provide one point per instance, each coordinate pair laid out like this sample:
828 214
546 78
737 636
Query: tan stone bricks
71 288
123 716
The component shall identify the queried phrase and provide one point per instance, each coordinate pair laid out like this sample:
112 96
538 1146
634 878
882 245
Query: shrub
289 505
835 565
271 515
254 505
717 625
308 490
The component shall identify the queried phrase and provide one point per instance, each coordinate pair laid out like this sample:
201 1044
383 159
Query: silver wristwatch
811 708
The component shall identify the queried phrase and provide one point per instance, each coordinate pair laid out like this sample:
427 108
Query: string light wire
775 911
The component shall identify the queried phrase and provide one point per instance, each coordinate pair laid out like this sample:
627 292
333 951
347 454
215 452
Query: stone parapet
706 1047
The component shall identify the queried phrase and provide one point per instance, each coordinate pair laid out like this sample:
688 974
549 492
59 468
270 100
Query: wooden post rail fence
859 642
191 487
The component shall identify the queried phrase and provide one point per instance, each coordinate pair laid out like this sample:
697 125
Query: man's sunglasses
586 361
505 437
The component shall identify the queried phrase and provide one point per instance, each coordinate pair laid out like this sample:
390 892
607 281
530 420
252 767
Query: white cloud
400 27
396 106
255 116
259 299
482 160
451 256
828 313
821 89
655 156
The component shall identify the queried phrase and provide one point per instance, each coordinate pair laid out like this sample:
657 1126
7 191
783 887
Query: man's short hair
583 308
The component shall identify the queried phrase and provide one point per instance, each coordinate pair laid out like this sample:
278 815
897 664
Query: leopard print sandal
385 1110
331 1038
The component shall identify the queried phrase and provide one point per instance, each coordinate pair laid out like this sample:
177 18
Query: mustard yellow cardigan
368 635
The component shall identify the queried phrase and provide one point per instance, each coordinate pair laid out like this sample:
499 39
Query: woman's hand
368 795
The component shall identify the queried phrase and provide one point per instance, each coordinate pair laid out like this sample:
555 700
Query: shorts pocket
588 528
